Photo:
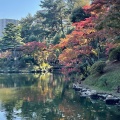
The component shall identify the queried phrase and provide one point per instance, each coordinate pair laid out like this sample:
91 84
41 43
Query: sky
17 9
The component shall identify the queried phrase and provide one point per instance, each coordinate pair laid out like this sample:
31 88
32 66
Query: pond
48 97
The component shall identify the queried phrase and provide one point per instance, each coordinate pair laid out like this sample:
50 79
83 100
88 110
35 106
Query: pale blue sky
17 9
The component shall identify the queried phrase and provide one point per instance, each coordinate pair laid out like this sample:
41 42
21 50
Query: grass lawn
107 82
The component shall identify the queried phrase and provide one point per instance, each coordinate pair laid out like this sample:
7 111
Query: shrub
98 67
115 54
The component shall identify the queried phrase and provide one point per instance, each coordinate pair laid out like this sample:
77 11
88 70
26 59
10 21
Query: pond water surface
48 97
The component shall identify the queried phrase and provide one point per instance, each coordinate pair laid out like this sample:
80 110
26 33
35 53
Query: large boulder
111 100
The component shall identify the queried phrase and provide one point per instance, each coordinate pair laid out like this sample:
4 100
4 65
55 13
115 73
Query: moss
115 54
109 81
98 67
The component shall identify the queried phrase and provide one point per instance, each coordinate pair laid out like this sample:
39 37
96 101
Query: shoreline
114 92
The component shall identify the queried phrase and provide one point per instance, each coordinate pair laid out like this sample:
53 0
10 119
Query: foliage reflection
47 97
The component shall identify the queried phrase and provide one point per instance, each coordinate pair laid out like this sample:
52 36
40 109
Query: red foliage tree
32 47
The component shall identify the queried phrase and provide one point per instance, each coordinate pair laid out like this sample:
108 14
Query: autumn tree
107 23
77 53
34 53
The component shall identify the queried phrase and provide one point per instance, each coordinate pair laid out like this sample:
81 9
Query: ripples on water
48 97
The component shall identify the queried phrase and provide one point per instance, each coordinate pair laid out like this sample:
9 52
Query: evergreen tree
26 24
78 14
52 17
56 39
12 36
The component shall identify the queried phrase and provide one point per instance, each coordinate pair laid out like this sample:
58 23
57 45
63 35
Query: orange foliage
77 43
67 55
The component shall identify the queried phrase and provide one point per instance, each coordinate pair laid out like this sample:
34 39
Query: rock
83 94
102 96
93 91
94 96
76 87
111 100
83 90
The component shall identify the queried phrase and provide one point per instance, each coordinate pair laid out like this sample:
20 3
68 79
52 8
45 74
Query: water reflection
47 97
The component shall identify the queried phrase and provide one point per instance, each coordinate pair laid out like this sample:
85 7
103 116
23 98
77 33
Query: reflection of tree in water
89 110
44 97
48 96
37 94
9 110
15 80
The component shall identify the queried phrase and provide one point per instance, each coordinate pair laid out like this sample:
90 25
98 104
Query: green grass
108 82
